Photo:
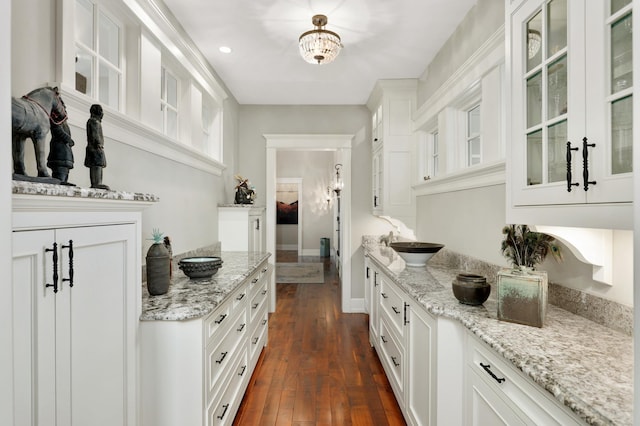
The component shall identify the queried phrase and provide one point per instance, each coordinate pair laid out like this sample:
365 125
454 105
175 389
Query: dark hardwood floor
318 367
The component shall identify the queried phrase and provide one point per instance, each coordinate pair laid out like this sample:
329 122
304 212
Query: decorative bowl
415 253
200 267
471 289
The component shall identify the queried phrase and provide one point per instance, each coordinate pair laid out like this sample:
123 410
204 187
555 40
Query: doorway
341 145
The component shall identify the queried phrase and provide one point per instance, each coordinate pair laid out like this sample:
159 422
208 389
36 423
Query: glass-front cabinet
570 124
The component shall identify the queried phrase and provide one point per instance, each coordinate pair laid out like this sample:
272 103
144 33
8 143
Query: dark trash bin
325 247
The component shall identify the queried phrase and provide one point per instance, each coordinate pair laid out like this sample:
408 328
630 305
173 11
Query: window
169 103
98 64
474 147
211 125
434 153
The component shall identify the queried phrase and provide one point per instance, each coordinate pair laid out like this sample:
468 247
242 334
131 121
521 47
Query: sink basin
415 253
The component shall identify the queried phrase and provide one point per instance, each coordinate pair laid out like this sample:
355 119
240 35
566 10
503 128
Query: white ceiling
383 39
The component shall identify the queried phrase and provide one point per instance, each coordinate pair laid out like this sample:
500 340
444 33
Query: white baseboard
356 306
287 247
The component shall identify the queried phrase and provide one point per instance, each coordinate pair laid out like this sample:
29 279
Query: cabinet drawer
392 356
392 305
258 338
529 401
220 353
222 409
221 317
258 301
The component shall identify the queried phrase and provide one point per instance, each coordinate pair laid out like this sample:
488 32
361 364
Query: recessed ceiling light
225 49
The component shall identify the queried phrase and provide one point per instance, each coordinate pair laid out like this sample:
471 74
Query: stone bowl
471 289
200 267
415 253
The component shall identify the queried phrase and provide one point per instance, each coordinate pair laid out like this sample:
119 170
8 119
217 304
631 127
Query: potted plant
522 290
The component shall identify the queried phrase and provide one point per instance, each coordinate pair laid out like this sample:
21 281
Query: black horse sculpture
31 116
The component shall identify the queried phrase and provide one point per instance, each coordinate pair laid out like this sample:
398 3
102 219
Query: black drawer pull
263 292
239 329
55 267
384 295
487 368
224 355
220 318
255 305
255 340
384 339
226 407
264 322
264 270
253 281
396 310
242 370
240 297
395 362
70 247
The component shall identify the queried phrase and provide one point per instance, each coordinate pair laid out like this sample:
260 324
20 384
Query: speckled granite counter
188 299
585 366
46 189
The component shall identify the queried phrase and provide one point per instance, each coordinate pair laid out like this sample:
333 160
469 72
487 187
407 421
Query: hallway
318 367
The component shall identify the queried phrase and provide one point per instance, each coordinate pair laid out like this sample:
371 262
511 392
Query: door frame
341 145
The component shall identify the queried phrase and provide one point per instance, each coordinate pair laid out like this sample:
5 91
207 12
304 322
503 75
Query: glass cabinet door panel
621 135
84 23
557 88
556 26
534 100
534 41
109 36
556 152
621 54
534 158
616 5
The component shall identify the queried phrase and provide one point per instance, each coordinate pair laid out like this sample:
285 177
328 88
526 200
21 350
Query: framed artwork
287 204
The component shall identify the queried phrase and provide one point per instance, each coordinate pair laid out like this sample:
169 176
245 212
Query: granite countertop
47 189
585 366
242 206
189 299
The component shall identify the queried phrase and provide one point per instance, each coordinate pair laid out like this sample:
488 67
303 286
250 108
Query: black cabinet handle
264 321
220 318
375 201
406 317
384 295
255 340
70 247
239 329
569 177
253 281
224 355
487 368
396 310
226 407
255 305
55 267
395 362
585 164
375 278
367 272
242 370
240 297
263 292
258 224
264 270
384 340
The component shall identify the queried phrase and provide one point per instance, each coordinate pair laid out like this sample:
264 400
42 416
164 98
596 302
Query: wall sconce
339 183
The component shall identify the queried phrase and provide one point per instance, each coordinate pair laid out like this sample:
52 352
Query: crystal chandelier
319 46
534 40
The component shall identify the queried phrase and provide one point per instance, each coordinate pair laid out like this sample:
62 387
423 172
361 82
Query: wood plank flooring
318 367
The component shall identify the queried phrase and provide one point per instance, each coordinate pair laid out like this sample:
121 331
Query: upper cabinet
569 124
391 104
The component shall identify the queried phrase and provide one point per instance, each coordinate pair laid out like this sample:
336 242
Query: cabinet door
34 307
376 181
572 89
95 326
421 372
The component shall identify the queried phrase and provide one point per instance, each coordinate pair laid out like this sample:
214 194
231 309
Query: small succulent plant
156 236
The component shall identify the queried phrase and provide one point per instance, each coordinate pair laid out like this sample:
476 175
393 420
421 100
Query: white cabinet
405 339
76 302
241 228
496 393
195 372
570 120
391 104
421 368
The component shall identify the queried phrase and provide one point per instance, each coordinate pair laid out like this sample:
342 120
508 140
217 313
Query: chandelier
534 40
319 46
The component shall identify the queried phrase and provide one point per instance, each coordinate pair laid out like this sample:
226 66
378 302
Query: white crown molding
488 56
479 176
306 142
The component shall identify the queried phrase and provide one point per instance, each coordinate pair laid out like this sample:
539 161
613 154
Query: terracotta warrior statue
95 159
60 159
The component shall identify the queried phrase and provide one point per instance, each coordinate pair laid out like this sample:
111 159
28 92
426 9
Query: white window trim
166 106
471 137
94 52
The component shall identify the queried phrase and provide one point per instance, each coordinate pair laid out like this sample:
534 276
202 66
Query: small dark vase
471 289
158 269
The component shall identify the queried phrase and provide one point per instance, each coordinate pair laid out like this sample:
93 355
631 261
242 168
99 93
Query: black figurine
60 159
95 158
